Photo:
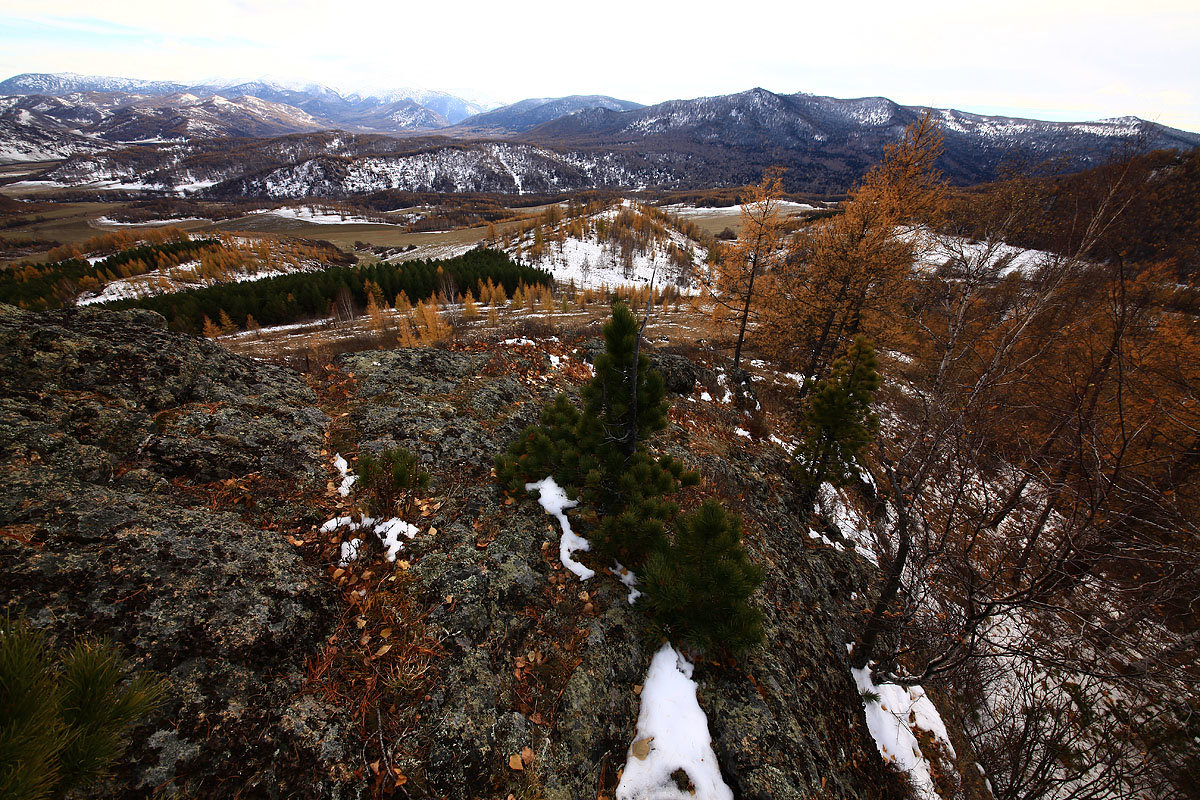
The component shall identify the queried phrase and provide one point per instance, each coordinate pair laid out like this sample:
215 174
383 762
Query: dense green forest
290 298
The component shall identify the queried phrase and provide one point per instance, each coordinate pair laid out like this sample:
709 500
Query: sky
1047 59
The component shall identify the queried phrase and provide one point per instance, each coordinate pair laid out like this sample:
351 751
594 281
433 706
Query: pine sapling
698 589
385 478
837 422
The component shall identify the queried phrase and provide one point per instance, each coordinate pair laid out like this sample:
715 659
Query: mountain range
435 141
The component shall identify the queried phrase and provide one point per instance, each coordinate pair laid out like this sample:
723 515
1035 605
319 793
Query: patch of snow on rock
554 500
893 720
672 734
348 478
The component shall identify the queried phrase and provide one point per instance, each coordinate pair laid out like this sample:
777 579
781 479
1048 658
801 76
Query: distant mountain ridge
577 142
528 114
313 98
828 142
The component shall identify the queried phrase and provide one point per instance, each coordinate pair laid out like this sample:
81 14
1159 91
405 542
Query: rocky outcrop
786 721
107 424
119 439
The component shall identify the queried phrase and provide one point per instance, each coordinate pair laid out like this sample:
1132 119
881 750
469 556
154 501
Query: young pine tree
699 588
385 478
626 396
64 718
837 421
599 455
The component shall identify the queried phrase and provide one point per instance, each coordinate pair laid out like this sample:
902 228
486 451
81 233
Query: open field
75 222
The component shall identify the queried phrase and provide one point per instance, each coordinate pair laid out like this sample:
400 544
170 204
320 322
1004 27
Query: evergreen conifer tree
64 718
628 416
699 588
599 455
838 422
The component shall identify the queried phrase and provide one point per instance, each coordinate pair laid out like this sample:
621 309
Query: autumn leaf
515 762
641 748
527 755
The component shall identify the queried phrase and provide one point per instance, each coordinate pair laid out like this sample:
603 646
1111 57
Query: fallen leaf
360 622
432 531
515 762
337 573
382 650
527 755
386 632
641 748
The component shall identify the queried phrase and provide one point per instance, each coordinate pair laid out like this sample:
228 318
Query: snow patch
349 552
389 532
348 477
627 577
894 718
672 734
554 500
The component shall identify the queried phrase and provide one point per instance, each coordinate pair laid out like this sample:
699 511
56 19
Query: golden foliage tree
758 249
850 274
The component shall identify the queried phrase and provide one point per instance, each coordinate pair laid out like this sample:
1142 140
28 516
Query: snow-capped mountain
579 141
828 142
392 111
113 117
451 107
64 83
329 164
32 132
528 114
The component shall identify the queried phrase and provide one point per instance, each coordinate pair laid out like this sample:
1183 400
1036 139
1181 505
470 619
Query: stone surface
99 412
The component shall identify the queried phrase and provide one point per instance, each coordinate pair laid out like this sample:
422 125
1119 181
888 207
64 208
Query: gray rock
99 410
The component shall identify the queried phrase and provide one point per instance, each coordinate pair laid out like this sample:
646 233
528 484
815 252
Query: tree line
58 283
309 295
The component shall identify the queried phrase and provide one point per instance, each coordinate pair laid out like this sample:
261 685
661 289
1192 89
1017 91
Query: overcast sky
1051 59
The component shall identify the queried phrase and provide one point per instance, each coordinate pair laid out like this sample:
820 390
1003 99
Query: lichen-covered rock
99 413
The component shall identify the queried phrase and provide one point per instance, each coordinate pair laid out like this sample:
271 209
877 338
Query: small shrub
66 715
699 587
383 479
